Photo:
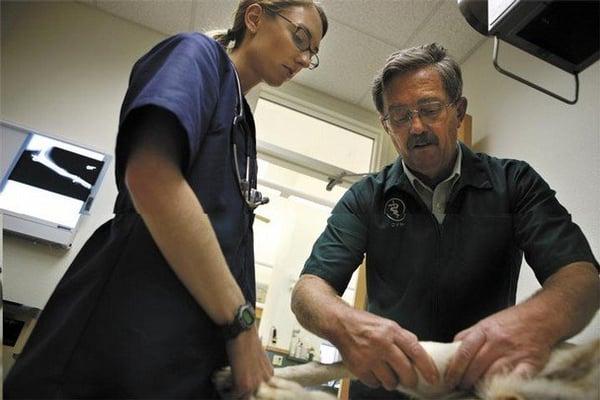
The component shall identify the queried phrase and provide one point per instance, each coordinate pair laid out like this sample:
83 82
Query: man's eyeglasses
302 38
400 118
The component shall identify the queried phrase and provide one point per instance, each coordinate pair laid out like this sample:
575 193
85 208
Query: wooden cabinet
360 303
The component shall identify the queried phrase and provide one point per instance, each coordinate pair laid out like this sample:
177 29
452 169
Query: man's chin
427 167
425 155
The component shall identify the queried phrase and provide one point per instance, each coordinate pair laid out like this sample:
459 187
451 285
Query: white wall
562 142
64 71
294 240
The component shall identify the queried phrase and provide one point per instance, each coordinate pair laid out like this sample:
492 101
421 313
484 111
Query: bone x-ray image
66 170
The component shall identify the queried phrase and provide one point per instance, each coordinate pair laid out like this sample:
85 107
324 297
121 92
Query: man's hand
519 339
380 353
504 342
249 363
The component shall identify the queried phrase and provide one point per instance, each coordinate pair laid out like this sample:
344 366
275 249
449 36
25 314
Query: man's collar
473 172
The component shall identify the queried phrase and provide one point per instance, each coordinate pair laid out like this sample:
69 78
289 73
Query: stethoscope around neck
251 196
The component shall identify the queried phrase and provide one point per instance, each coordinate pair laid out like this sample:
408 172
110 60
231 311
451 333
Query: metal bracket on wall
334 180
530 84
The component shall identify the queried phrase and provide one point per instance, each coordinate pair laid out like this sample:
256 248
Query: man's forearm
317 306
566 303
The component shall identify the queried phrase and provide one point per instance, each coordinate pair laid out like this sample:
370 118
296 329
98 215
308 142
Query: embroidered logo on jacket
395 210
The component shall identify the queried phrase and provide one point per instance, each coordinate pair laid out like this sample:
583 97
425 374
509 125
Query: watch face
247 317
243 321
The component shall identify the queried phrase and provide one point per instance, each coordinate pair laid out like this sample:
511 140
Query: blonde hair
233 37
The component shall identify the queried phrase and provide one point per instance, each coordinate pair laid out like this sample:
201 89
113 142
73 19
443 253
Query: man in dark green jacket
444 231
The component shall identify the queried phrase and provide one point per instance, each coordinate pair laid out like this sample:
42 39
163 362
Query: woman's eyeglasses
302 38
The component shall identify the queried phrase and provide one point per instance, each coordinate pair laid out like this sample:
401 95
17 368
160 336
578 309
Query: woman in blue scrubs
161 295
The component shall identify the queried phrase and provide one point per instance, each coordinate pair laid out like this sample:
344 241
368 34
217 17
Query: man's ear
461 109
252 17
385 126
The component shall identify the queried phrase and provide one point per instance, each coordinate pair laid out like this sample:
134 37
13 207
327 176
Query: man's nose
416 124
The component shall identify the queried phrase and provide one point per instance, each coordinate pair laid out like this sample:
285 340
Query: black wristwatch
244 319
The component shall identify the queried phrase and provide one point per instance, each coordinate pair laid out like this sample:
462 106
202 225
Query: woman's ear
252 17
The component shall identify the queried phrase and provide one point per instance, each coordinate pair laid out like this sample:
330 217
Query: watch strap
243 321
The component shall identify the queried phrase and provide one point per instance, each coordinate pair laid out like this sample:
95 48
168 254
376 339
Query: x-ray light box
47 184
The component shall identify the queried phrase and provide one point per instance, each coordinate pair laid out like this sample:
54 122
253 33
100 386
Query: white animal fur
572 373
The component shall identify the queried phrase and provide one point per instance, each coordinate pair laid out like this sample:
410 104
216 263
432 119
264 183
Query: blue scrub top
120 323
191 76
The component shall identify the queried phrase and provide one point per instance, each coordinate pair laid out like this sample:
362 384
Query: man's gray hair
413 59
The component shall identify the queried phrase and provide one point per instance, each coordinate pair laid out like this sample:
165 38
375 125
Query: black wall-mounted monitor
565 34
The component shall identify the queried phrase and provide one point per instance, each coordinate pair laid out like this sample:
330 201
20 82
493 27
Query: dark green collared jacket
436 280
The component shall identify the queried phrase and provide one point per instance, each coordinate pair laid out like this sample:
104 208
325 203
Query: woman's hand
249 363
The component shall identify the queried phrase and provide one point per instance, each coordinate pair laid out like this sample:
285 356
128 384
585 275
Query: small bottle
311 354
299 349
294 341
304 353
273 340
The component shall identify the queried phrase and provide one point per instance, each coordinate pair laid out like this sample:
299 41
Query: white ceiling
362 33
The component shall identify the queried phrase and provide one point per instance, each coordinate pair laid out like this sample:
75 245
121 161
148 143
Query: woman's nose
304 58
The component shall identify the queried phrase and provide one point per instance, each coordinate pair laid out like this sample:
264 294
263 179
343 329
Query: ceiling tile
349 61
167 16
211 14
390 21
449 28
362 34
